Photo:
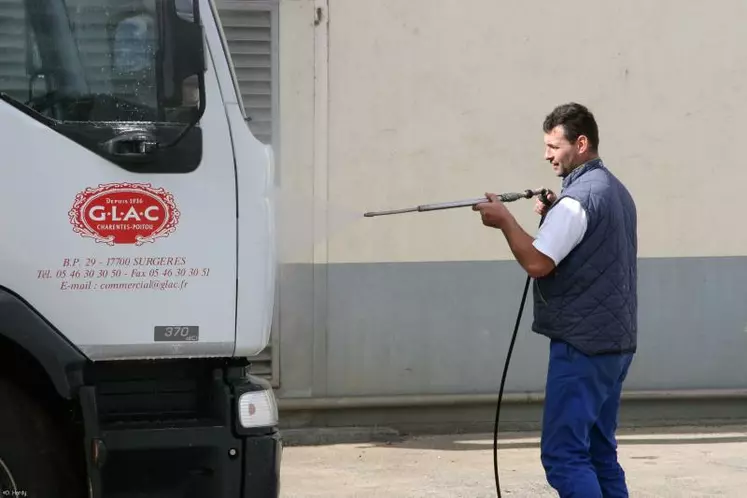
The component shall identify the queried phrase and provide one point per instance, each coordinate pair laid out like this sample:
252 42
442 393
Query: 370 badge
124 213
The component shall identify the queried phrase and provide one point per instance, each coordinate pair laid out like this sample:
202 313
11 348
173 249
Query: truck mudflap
263 456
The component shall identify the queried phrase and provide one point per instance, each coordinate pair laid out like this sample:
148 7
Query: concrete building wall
386 104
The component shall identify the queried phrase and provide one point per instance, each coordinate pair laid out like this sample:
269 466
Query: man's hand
494 213
540 207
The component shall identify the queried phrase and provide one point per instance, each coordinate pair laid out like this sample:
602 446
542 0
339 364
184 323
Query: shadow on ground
626 437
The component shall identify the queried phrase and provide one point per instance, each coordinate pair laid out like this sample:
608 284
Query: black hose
547 203
503 383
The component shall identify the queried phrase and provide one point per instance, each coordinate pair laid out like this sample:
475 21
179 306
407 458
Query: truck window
99 61
98 67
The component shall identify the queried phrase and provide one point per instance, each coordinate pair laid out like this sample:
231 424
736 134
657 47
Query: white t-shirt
562 230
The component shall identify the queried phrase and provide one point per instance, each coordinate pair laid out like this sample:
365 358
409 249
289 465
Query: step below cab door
118 197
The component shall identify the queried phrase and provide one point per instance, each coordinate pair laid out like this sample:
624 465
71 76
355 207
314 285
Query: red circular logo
124 213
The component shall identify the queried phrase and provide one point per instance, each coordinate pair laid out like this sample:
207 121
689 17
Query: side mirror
182 52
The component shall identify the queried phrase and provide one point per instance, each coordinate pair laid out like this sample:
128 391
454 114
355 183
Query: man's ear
582 142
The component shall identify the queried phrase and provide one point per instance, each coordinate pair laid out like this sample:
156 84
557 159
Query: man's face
562 154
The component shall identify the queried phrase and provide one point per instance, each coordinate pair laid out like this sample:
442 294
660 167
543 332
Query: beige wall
400 102
396 103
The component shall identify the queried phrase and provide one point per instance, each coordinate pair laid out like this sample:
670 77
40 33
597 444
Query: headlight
258 409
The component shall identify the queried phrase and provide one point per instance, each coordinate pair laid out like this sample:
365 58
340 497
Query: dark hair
576 120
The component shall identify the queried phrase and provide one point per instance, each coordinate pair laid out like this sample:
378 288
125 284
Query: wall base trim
457 400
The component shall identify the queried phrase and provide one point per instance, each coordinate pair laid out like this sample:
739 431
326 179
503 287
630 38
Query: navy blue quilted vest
590 299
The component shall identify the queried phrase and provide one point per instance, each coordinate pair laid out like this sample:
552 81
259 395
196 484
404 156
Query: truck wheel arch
22 327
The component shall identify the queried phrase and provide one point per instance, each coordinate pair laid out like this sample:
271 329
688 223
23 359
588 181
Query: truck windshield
88 60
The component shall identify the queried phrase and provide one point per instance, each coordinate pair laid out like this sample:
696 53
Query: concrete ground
673 462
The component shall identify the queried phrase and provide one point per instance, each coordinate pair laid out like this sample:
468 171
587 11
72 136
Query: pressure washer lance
508 197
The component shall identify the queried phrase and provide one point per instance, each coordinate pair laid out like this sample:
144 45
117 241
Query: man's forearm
534 262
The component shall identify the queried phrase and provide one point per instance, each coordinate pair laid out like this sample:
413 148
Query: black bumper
133 449
196 462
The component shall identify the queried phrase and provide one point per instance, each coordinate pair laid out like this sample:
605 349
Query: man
583 261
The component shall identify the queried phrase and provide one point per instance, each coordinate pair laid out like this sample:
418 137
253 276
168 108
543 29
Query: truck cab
137 269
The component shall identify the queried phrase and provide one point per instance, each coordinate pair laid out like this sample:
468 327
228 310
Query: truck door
118 194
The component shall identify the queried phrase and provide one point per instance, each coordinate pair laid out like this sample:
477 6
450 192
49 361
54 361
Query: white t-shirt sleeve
562 230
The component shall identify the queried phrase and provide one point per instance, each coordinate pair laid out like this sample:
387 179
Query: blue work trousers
582 400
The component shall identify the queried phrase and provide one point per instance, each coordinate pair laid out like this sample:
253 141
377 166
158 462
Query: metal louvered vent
250 35
250 28
13 77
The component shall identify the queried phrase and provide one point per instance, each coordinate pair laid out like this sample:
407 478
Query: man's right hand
540 207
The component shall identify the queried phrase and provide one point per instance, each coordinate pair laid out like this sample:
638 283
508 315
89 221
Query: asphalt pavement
660 463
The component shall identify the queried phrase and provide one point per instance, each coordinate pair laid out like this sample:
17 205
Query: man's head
571 137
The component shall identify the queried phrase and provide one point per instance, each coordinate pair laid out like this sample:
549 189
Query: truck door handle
134 144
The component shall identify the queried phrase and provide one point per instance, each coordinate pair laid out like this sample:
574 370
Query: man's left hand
494 213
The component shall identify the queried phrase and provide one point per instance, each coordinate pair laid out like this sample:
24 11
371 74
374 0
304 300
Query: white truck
137 263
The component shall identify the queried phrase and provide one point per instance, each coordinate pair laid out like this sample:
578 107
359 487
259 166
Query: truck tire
35 460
